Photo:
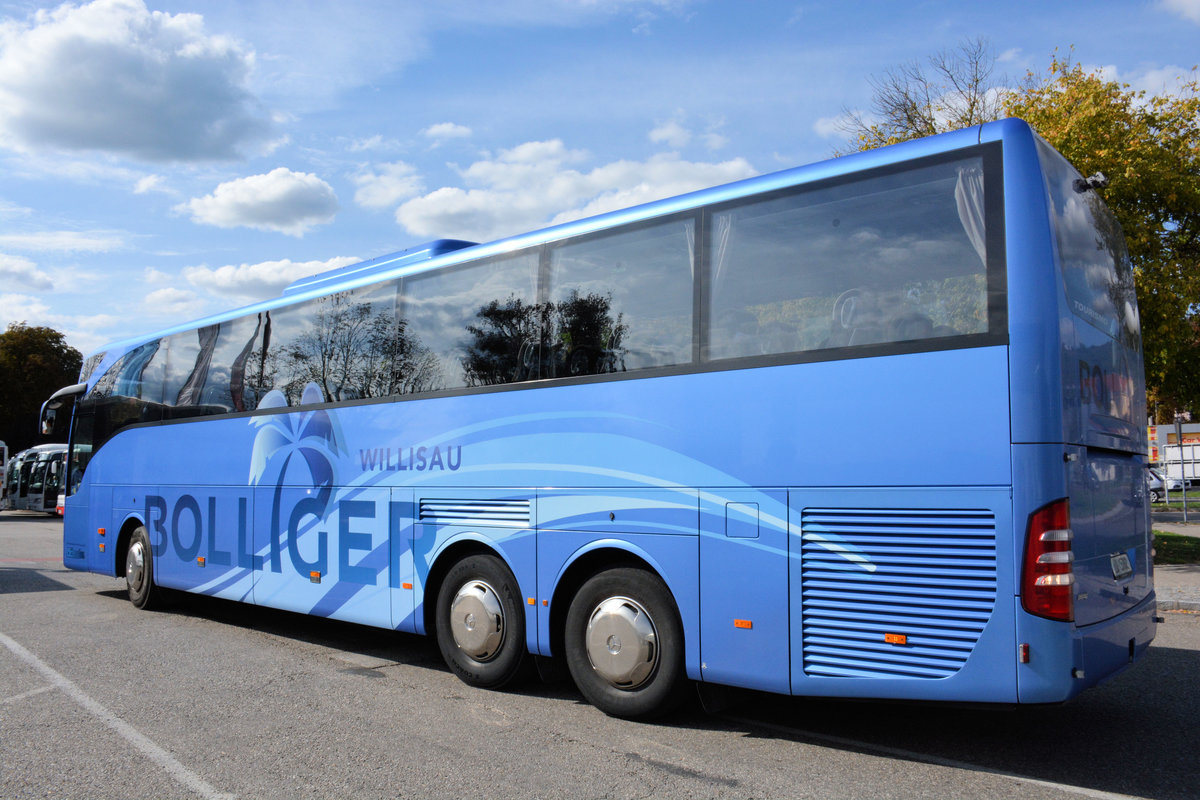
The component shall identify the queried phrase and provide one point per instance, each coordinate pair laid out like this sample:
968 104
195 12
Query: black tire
139 571
637 639
480 621
1155 496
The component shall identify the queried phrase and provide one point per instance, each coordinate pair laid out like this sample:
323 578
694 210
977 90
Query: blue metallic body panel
730 484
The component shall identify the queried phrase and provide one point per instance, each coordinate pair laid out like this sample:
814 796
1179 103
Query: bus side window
894 260
623 301
480 324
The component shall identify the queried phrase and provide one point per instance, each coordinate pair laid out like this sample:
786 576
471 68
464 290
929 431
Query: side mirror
48 417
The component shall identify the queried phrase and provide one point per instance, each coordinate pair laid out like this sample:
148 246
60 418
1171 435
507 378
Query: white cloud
22 307
831 127
715 141
85 332
152 183
152 275
16 271
447 130
1165 81
1188 9
174 302
12 210
251 282
281 200
63 241
115 77
386 185
532 185
671 133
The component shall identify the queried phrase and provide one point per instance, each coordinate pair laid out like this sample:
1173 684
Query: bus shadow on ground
1135 735
362 640
354 640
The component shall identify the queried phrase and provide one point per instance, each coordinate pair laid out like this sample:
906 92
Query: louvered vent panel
491 513
927 575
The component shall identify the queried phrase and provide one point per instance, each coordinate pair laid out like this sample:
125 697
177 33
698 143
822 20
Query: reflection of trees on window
517 341
590 338
394 361
351 353
506 336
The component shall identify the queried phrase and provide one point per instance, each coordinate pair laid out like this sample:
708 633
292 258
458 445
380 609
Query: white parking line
158 755
18 697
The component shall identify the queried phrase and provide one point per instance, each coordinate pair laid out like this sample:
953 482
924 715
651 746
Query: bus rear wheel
139 571
480 623
624 644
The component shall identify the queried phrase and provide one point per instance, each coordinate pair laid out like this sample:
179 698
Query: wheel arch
128 526
443 561
599 558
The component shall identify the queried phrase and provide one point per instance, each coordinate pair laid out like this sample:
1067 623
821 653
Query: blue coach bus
873 427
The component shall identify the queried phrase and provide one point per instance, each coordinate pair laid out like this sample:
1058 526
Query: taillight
1048 580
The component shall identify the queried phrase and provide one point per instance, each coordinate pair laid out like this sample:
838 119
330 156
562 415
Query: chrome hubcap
622 642
477 620
135 566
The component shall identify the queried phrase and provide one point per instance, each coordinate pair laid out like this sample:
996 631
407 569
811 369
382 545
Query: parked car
1156 486
1159 484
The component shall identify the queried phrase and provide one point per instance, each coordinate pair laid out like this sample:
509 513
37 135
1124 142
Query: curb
1192 606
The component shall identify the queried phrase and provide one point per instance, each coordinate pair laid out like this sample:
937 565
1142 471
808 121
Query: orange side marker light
744 624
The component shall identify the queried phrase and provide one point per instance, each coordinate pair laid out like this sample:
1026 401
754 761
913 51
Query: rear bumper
1063 664
1111 646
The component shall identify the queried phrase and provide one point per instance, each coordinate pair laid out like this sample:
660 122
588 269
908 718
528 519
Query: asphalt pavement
1177 585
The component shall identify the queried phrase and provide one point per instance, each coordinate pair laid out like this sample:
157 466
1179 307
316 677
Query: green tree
1147 145
34 363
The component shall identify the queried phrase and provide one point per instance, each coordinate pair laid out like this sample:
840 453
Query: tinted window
479 324
621 301
334 348
1091 251
895 258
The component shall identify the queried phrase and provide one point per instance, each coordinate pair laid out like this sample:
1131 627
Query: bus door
201 540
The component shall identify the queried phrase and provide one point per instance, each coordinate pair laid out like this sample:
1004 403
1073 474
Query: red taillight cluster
1048 580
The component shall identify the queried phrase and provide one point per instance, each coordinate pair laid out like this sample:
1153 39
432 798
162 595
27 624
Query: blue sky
160 161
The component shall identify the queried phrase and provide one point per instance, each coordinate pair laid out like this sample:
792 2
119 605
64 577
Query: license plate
1121 568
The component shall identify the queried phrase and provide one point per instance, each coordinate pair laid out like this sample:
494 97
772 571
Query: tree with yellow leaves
1147 145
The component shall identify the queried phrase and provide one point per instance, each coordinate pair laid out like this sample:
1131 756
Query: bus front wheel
139 570
624 644
481 622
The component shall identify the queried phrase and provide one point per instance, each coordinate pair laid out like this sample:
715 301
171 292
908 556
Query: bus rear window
1091 251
